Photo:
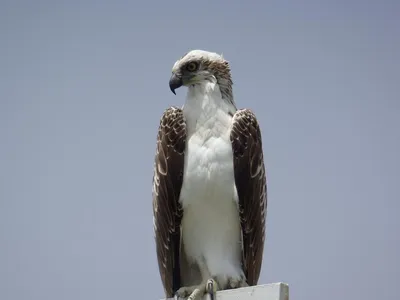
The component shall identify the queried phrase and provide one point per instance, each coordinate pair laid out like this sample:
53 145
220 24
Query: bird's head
199 66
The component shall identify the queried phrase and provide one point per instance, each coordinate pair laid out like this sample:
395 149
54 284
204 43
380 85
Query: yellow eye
191 67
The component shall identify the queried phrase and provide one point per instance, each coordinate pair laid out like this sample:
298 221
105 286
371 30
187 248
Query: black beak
175 82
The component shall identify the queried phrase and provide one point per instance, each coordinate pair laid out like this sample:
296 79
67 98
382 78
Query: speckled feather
167 183
250 179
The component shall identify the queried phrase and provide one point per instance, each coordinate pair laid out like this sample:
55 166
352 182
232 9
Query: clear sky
84 83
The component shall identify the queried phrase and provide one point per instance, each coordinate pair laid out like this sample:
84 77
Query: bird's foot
196 292
234 283
212 288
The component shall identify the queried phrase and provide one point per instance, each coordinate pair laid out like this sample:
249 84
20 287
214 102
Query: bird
209 184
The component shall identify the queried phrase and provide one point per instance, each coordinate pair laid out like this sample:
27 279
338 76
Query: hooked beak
175 82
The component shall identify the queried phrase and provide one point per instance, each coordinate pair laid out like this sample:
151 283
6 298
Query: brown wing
250 180
167 183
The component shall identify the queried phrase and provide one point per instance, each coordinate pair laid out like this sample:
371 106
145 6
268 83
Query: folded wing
167 183
250 180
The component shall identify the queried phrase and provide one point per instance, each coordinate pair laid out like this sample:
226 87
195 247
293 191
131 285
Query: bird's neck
205 102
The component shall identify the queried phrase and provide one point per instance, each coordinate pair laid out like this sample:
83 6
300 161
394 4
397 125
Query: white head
199 67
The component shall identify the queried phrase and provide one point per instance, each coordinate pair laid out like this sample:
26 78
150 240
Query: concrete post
272 291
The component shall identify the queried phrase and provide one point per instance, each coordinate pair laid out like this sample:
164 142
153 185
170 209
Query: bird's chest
208 173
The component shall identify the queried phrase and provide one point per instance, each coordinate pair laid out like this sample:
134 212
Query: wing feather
167 183
250 180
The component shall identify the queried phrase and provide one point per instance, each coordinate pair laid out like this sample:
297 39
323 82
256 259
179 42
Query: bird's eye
191 67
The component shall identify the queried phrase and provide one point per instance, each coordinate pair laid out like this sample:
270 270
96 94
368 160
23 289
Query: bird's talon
212 288
195 295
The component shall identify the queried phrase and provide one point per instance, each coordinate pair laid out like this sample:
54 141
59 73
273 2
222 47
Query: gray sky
83 85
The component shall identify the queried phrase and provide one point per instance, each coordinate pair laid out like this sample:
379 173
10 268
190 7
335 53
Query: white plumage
210 225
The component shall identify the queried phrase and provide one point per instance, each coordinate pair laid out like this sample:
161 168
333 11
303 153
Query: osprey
209 185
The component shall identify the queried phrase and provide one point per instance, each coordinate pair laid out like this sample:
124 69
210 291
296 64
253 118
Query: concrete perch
271 291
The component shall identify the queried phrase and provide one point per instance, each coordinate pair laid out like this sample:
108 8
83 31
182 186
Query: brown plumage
167 183
251 185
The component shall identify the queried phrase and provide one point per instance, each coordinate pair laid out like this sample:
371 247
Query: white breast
208 164
210 225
